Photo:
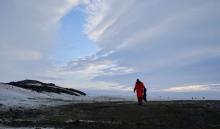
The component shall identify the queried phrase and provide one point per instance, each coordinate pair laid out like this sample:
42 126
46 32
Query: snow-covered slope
11 96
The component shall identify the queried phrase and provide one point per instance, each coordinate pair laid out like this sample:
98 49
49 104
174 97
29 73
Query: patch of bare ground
119 115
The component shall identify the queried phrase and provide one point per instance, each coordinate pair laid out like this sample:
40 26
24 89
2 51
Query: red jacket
139 87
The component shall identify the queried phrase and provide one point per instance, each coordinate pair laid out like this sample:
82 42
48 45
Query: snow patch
35 84
16 97
12 96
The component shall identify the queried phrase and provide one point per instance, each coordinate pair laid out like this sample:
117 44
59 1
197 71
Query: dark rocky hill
45 87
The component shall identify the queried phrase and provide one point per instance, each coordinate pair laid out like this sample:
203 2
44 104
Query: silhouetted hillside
45 87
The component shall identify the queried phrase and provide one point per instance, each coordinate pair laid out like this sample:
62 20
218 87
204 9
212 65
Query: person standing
139 88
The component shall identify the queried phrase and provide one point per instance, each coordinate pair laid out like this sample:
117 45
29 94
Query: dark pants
140 100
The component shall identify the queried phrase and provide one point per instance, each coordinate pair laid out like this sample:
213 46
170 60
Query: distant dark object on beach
45 87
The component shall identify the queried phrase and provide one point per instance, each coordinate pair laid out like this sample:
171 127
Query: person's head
138 81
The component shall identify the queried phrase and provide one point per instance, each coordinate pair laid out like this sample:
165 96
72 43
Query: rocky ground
117 115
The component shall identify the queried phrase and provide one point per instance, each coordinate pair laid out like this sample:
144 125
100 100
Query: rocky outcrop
45 87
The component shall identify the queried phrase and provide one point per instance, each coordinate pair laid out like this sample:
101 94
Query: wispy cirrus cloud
93 67
159 42
100 17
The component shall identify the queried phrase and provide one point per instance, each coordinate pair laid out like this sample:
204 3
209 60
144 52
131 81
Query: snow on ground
12 96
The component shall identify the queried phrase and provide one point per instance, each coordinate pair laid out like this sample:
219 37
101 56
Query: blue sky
102 46
72 42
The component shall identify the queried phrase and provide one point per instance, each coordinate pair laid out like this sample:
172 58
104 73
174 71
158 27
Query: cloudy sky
103 46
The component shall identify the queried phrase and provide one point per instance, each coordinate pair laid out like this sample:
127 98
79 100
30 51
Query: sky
103 46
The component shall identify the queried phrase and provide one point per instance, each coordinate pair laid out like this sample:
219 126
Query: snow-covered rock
12 96
38 86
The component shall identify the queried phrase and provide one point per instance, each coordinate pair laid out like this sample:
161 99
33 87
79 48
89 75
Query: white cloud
158 41
81 80
28 55
191 88
27 35
114 24
100 17
150 35
96 11
93 67
194 88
